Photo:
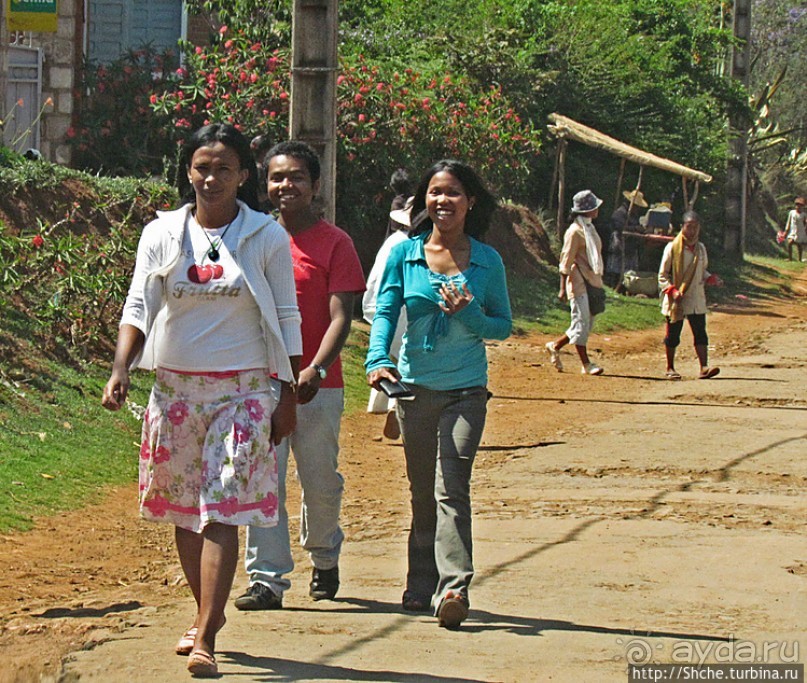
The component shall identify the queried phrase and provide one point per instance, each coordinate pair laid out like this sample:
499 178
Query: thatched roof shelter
568 129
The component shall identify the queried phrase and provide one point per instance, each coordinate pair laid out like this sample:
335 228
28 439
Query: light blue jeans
441 432
315 445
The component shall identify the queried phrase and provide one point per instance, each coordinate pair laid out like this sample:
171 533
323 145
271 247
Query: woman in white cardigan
212 307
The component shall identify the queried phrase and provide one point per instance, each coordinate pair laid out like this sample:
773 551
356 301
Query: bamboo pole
561 186
554 183
619 180
630 208
570 129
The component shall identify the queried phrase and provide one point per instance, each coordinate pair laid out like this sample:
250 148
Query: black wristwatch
321 371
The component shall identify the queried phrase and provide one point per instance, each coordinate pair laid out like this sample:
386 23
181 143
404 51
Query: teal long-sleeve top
440 351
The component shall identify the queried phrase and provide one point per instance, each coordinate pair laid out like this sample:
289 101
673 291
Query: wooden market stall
565 129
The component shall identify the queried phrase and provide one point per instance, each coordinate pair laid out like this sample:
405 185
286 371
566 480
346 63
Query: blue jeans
315 445
441 432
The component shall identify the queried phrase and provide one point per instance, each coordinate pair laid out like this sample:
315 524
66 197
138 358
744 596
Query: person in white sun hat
581 270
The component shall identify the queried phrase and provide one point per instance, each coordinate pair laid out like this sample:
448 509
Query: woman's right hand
284 419
375 376
116 389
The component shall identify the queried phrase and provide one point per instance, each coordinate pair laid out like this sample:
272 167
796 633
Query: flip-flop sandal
672 374
202 664
710 372
453 610
185 644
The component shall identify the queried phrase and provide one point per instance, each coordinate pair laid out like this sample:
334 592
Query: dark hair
229 136
400 182
690 215
476 221
297 150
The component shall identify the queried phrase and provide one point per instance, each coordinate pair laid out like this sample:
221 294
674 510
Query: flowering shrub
69 277
115 129
234 81
385 119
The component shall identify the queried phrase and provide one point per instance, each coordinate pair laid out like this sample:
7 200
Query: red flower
177 412
37 241
157 506
162 454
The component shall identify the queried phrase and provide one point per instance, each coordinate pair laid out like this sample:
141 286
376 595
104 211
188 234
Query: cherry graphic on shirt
218 271
200 274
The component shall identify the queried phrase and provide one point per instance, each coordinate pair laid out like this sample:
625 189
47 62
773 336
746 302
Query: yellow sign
31 15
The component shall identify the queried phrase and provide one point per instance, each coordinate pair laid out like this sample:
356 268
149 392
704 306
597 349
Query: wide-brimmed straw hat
585 201
404 215
636 196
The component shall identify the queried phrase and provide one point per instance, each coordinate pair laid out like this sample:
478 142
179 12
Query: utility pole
313 88
737 171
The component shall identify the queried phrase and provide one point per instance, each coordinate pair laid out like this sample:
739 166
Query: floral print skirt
207 454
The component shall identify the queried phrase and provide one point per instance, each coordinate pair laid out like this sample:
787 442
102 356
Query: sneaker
554 356
453 610
324 583
591 369
258 597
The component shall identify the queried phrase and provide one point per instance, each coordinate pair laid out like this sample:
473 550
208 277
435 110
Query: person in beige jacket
580 263
682 279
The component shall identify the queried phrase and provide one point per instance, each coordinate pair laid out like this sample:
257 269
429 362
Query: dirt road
617 518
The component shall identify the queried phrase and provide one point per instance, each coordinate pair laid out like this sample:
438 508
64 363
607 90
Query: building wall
63 53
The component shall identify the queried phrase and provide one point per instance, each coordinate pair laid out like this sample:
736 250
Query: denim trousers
441 432
315 446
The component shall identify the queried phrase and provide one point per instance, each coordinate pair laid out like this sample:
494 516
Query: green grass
537 309
59 448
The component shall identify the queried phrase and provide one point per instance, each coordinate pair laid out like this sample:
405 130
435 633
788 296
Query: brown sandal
708 373
185 644
453 610
202 664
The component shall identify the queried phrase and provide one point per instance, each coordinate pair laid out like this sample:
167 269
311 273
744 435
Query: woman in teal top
455 293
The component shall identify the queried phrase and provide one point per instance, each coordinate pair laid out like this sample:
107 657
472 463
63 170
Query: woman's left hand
454 299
